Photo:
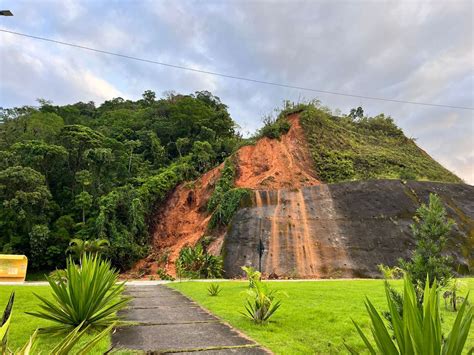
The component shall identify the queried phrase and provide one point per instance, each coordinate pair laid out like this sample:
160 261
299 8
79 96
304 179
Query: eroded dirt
270 164
273 164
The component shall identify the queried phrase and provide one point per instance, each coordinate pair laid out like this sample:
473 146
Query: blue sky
406 50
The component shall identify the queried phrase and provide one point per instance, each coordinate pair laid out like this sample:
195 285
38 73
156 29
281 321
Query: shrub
390 273
229 205
274 128
90 296
252 275
225 200
196 263
164 275
453 287
419 330
214 290
261 304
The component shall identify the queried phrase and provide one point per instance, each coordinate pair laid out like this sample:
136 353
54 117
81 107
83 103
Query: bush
274 128
230 203
261 304
418 330
164 275
390 273
225 200
90 296
196 263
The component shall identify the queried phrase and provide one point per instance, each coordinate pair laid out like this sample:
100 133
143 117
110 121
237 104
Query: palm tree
79 247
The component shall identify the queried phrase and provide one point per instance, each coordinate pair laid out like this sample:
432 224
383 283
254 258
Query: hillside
292 156
346 148
156 174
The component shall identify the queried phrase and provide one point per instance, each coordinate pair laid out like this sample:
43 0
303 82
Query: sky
405 50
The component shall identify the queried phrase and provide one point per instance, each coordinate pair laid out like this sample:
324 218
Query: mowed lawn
315 316
23 325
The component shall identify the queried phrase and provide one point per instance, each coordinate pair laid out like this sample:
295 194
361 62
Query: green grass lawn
23 325
315 317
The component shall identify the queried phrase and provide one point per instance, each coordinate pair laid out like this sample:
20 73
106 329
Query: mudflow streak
308 244
274 242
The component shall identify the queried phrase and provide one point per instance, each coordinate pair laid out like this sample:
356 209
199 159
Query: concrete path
168 322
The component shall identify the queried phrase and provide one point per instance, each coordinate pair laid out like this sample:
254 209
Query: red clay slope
270 164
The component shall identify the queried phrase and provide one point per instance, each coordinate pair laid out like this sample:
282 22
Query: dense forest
81 171
87 172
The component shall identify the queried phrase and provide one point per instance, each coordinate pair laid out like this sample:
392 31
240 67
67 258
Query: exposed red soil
182 220
273 164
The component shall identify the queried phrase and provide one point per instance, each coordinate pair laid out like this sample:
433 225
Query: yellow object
13 268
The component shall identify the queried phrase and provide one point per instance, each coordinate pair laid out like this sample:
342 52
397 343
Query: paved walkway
168 322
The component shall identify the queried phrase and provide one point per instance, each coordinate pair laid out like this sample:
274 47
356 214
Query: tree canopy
88 172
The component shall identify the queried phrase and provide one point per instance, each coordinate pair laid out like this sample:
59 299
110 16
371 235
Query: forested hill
81 171
87 172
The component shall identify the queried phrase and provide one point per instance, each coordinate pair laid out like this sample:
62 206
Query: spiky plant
90 295
261 303
252 275
5 323
214 290
419 330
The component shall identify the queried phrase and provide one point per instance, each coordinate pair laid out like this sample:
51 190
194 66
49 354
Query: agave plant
5 323
261 303
214 290
90 296
66 344
252 275
418 331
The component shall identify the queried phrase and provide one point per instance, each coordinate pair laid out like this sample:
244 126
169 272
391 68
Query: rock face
341 230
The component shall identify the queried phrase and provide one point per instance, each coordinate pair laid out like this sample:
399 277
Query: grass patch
23 325
314 318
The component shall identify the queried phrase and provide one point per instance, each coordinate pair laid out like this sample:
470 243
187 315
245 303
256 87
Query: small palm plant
252 275
214 290
79 247
90 295
261 304
418 331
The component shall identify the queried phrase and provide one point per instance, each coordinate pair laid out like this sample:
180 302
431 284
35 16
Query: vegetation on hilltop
358 147
87 172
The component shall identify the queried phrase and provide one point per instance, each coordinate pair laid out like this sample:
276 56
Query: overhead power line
288 86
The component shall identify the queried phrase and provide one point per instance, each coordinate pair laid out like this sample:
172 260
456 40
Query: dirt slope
277 164
182 220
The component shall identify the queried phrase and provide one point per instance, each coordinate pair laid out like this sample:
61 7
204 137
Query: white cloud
414 50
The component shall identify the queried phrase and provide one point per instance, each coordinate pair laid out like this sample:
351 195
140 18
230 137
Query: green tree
26 200
430 230
202 156
131 145
77 140
181 145
46 158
